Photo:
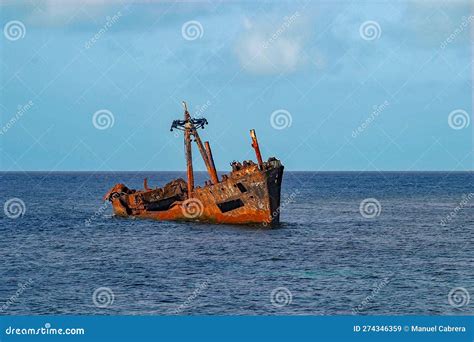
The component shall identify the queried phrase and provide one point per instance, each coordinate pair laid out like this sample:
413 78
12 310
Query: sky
328 85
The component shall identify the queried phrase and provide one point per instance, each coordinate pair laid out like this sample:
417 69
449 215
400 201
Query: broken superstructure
250 193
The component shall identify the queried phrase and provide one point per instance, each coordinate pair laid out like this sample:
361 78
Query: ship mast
190 127
189 152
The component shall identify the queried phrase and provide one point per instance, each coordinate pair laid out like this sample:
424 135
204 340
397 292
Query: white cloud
265 49
61 12
283 55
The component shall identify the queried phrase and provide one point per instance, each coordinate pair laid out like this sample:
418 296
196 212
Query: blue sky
344 85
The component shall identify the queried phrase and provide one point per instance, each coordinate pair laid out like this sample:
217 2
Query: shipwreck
249 194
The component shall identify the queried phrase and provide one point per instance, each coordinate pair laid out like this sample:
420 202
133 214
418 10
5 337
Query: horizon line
204 171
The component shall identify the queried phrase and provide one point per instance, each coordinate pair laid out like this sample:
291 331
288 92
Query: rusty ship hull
249 194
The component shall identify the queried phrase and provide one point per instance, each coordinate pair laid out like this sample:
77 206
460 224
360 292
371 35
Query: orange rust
250 193
205 157
145 184
256 148
211 161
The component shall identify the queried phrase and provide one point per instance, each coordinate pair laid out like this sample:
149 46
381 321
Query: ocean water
412 253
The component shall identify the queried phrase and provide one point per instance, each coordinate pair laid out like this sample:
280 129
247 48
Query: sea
349 243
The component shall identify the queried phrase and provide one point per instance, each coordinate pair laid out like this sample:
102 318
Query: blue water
327 256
